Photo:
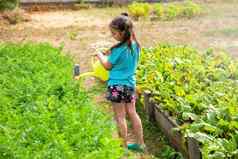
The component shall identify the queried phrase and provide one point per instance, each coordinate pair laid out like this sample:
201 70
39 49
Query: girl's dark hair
125 14
123 23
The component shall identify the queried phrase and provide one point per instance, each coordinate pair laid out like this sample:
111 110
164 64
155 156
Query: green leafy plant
199 91
44 112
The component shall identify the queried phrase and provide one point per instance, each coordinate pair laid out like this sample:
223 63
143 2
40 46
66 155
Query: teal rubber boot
136 147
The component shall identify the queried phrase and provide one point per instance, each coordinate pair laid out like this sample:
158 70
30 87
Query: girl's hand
103 59
107 52
100 55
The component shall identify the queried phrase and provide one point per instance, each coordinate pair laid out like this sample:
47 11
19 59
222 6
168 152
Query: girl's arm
103 59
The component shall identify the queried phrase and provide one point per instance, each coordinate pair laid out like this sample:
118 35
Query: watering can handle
94 57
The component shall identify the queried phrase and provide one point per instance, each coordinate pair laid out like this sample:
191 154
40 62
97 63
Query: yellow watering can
98 71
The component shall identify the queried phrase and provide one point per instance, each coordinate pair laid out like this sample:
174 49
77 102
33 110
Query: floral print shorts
119 94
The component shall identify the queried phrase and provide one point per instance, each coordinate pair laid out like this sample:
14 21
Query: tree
8 4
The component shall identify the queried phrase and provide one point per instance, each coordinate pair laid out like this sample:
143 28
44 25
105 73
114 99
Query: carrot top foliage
44 113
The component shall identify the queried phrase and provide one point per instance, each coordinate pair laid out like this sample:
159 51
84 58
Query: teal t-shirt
124 63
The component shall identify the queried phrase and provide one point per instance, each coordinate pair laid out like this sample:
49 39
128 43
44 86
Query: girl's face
117 35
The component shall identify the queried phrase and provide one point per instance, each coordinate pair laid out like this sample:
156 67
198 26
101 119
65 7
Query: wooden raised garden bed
189 147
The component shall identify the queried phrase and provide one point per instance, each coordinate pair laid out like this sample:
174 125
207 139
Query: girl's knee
132 113
120 119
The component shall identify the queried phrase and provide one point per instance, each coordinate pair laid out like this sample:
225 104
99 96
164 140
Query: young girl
122 61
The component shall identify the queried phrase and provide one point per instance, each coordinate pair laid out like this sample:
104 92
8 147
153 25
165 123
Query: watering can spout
87 74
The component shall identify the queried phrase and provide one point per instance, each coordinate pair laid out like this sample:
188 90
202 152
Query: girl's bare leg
120 117
136 122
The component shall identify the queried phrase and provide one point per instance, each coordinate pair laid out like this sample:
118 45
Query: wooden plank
167 125
148 106
189 147
194 148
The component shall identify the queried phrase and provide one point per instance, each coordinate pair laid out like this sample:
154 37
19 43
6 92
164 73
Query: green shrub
159 10
171 11
8 4
191 9
44 113
139 9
